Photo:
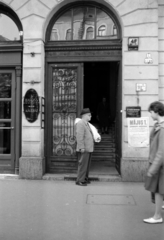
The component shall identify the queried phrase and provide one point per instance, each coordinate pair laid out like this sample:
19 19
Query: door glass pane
64 110
5 110
105 26
83 18
61 26
8 29
5 138
5 85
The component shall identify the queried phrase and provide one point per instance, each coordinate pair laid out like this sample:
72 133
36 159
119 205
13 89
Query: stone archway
72 54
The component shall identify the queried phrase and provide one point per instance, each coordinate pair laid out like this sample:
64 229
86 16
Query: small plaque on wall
31 105
133 43
133 112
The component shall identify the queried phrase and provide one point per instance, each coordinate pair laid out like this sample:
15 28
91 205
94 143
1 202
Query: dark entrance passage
101 80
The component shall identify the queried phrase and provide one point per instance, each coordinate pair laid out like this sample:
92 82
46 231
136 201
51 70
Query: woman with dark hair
155 175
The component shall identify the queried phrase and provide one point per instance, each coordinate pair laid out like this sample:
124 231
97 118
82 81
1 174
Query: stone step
104 150
105 142
103 158
72 177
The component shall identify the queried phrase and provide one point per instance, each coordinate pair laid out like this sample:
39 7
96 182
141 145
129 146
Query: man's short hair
157 107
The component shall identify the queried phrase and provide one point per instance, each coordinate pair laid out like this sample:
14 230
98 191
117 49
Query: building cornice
83 45
11 46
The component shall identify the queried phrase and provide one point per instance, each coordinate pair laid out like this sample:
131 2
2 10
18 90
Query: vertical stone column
31 164
134 161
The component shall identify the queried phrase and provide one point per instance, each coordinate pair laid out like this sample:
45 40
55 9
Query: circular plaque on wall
31 105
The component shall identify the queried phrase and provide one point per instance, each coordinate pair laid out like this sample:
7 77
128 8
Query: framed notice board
133 112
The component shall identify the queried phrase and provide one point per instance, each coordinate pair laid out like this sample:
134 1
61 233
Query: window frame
93 32
105 28
11 14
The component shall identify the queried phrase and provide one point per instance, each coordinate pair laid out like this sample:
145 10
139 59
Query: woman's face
154 115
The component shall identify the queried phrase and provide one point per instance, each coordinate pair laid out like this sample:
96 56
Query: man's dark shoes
87 181
81 183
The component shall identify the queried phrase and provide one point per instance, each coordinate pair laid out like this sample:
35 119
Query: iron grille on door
64 110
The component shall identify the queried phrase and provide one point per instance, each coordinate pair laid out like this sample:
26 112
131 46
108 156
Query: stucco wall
161 48
140 18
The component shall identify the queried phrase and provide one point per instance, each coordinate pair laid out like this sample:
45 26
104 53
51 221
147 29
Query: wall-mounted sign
148 59
141 87
133 43
133 112
138 132
31 105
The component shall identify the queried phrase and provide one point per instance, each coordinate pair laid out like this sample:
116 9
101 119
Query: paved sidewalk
61 210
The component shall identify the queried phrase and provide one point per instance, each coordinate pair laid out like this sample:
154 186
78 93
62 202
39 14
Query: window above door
8 29
83 22
11 30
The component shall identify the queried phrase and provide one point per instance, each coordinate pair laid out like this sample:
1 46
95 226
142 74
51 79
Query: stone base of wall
31 168
133 170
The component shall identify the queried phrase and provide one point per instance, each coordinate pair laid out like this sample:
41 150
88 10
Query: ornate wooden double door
64 102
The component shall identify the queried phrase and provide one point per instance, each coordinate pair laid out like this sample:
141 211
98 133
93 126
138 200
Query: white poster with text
138 132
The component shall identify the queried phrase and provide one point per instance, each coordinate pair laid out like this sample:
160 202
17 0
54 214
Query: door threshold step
9 176
93 177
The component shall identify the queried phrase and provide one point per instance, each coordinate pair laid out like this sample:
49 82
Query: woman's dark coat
156 158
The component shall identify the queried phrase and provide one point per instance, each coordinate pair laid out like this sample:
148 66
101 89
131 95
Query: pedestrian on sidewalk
84 148
103 115
154 181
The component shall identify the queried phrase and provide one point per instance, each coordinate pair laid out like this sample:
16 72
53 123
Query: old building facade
66 55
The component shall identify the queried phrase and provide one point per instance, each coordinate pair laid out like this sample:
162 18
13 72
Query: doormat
69 178
110 199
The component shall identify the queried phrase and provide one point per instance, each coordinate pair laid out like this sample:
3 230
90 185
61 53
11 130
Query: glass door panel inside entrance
5 95
7 112
5 138
5 85
64 110
84 23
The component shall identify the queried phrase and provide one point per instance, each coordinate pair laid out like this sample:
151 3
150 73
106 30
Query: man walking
85 146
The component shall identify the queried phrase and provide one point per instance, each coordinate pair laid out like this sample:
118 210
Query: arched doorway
10 89
83 63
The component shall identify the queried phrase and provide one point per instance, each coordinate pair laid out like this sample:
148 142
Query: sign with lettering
31 105
132 112
141 87
138 132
